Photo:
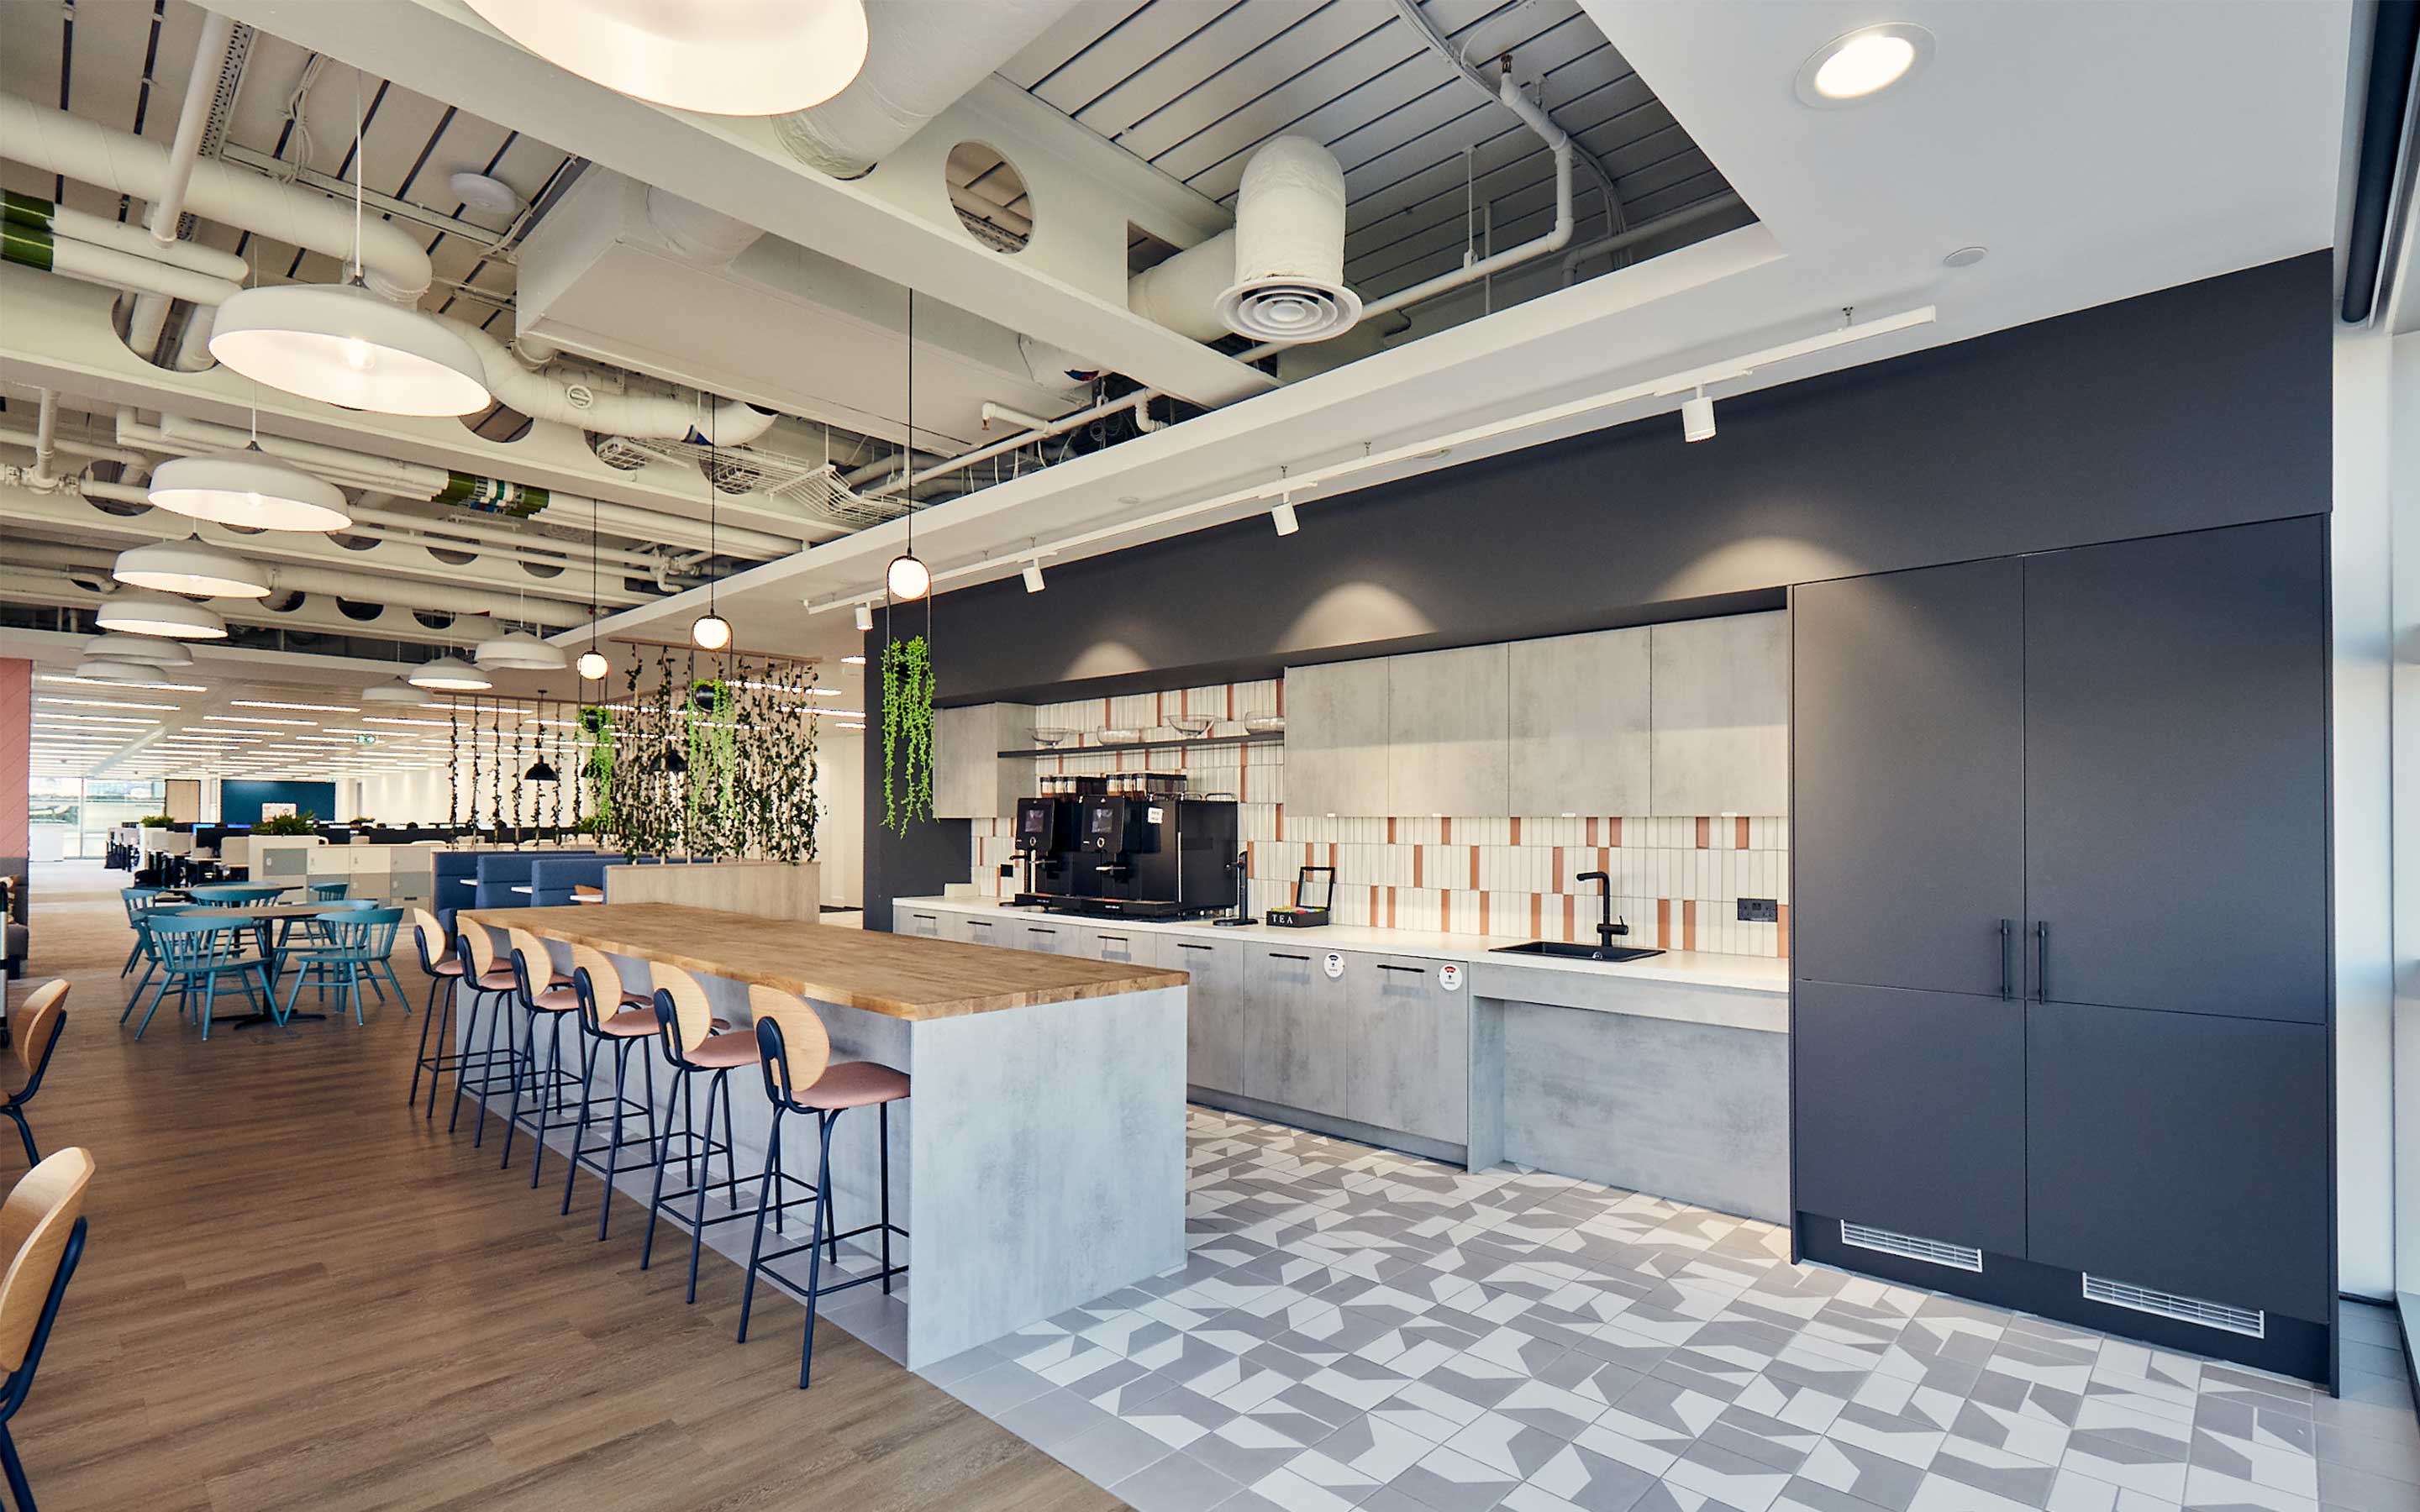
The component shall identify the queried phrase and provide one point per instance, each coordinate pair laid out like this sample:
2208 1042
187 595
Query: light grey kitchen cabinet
1410 1067
1219 1007
1131 947
978 929
1578 721
1057 937
969 779
925 922
1336 754
1298 1041
1448 732
1718 712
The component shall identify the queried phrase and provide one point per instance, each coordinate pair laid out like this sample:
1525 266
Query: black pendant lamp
541 770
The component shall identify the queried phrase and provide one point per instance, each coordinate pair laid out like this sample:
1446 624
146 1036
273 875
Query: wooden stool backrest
692 1019
433 943
604 979
34 1223
36 1022
806 1044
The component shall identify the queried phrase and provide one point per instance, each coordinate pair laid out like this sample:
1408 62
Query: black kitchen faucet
1607 926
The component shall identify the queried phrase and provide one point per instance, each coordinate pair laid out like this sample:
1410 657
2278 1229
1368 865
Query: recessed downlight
1965 258
1856 65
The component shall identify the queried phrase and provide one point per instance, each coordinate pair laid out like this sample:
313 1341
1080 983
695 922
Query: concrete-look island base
1040 1162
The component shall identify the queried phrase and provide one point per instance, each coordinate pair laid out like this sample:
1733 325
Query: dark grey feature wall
2197 406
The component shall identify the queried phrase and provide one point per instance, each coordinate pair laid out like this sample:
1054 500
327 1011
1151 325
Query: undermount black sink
1568 950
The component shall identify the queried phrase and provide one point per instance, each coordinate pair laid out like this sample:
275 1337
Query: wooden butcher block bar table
1041 1156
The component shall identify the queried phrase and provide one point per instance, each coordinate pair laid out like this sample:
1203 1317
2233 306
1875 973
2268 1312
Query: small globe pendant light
592 664
710 631
907 578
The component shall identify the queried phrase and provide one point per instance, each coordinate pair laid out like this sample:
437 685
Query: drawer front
1051 939
977 929
925 924
1217 1009
1125 947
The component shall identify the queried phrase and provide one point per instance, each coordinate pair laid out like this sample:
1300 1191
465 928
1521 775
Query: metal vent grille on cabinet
2218 1314
1912 1246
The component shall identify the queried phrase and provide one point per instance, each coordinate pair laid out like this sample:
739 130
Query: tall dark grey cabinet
2060 936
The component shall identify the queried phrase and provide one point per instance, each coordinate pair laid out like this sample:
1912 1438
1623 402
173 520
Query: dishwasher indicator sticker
1333 963
1450 976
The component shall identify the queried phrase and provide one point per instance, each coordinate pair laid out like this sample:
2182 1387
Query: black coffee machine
1130 845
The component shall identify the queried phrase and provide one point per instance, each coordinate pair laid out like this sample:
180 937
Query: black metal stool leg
763 1196
580 1129
19 1492
664 1158
462 1058
815 1252
882 1114
719 1085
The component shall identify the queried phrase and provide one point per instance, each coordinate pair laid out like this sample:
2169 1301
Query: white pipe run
1545 246
920 60
101 231
107 265
393 265
46 430
543 397
201 90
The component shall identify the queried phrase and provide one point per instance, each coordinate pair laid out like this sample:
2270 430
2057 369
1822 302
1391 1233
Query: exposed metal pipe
46 430
393 264
39 247
1711 204
13 436
542 396
201 91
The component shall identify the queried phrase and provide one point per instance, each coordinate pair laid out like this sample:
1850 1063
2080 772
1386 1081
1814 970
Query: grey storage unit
1299 1040
1449 744
1718 708
2061 926
1055 938
923 921
1131 947
1410 1068
1219 1009
1579 731
1336 746
974 929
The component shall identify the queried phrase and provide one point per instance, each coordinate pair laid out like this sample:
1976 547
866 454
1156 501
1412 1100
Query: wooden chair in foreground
42 1234
33 1034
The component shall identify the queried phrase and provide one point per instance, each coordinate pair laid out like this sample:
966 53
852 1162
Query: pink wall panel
16 760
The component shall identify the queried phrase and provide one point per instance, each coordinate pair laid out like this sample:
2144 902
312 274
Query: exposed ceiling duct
920 60
393 263
1280 274
541 395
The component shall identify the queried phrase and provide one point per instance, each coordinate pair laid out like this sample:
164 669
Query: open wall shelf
1198 742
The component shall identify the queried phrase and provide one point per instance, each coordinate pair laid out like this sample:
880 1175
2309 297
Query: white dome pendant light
449 674
735 57
710 631
134 648
246 488
907 578
159 614
189 567
342 345
592 664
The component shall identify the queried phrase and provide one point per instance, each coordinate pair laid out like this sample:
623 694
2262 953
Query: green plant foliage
305 823
155 821
749 740
596 766
906 733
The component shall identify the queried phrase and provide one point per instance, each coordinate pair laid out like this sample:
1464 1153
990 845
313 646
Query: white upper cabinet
1336 750
1579 724
1719 716
1448 715
969 779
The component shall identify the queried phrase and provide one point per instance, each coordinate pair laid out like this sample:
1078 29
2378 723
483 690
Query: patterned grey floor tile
1110 1452
1732 1480
1804 1495
2369 1420
1174 1483
1768 1440
1865 1473
1375 1447
2073 1493
2359 1491
1244 1450
1940 1493
2212 1490
2397 1458
1052 1418
1500 1442
1540 1404
1662 1415
1446 1481
2128 1448
1579 1479
2272 1448
2022 1481
1585 1374
995 1391
1247 1501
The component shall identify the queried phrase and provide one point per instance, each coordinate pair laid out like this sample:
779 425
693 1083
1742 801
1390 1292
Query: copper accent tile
1445 912
1417 864
1482 914
1391 830
1689 921
1740 833
1664 922
1516 831
1445 831
1592 831
1705 832
1558 877
1537 916
1571 915
1613 828
1474 876
1781 931
1390 908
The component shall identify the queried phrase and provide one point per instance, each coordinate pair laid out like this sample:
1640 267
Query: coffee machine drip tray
1114 907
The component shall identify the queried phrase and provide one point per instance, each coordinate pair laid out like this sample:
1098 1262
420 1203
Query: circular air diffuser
1290 247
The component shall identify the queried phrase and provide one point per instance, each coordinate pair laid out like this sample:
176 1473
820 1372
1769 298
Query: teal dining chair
357 942
194 953
133 898
328 892
142 915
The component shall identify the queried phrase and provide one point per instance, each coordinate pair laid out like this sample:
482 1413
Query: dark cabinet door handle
1112 939
1280 955
1182 946
1037 929
2008 944
1417 971
2041 962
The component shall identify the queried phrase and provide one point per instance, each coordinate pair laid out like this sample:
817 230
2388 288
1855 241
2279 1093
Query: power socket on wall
1760 911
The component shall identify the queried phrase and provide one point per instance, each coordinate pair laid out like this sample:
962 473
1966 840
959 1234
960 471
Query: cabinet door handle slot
2008 940
1417 971
2041 962
1183 945
1280 955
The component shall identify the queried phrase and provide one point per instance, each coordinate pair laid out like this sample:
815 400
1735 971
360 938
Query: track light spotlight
1697 417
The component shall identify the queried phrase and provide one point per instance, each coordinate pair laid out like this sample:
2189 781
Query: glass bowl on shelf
1118 737
1052 735
1264 724
1191 726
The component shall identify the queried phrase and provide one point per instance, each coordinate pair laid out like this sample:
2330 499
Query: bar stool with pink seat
695 1043
801 1077
546 1085
610 1013
489 983
442 967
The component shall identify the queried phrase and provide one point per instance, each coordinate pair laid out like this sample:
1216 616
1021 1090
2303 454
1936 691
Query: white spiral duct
1290 247
543 397
1182 292
920 60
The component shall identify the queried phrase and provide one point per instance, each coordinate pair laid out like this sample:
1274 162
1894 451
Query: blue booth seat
552 878
453 873
501 871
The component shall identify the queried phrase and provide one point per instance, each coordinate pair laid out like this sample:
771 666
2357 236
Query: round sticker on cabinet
1333 963
1450 976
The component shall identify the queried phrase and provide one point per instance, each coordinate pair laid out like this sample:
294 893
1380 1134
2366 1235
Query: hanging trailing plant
596 762
906 733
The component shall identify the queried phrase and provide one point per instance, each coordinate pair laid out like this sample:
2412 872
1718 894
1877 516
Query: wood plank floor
298 1296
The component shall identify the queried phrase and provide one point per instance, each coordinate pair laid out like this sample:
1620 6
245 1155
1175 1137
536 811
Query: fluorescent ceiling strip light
96 682
380 719
1685 381
311 708
106 703
45 716
258 719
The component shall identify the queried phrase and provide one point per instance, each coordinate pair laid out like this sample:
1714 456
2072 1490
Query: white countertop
1696 968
